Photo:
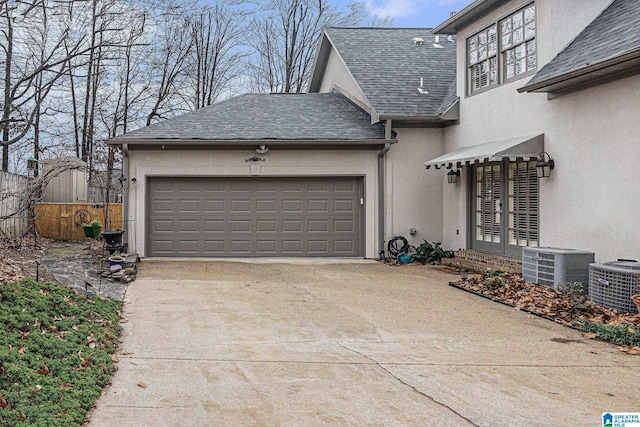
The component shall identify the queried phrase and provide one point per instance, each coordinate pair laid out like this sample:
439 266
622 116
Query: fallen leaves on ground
565 308
562 307
630 349
18 258
44 370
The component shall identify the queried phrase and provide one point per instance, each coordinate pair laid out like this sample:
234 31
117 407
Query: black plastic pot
113 240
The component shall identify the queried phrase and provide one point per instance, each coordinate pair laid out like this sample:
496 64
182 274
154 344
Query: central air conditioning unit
550 266
611 284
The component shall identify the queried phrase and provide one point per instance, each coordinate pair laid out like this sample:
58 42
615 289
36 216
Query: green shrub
55 353
621 334
427 252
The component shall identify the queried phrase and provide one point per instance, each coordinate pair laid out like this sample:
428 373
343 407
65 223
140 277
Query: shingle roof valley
389 65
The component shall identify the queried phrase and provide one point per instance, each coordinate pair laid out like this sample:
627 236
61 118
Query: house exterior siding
337 77
413 199
591 201
211 163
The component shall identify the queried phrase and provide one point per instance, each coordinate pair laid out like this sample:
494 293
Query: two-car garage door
216 217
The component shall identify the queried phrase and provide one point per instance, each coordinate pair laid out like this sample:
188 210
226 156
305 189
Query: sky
415 13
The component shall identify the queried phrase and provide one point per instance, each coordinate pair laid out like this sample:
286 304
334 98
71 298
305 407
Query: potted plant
427 252
92 230
116 259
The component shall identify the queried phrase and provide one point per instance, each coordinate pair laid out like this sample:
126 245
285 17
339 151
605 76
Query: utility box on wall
550 266
69 186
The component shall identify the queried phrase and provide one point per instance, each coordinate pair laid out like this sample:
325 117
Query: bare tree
168 59
215 57
284 39
33 192
30 70
129 89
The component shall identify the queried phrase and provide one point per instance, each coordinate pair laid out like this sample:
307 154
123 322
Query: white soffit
527 147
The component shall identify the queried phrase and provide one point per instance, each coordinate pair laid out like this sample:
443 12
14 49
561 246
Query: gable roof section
264 117
608 47
388 66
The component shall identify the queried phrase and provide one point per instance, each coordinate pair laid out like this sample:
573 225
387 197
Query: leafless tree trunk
29 72
216 60
7 46
284 39
130 91
173 47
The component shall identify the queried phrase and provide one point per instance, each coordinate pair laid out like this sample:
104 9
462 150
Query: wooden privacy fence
13 222
63 221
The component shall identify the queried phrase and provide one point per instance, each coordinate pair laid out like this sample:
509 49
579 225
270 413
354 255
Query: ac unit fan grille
613 287
551 266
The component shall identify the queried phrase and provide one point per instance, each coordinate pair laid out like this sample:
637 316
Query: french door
504 207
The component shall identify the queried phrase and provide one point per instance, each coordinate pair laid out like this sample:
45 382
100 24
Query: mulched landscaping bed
575 311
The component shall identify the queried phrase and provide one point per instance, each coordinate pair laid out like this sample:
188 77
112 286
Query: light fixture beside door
544 165
452 176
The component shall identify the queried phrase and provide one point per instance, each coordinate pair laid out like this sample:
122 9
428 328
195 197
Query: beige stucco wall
143 164
591 202
337 76
414 196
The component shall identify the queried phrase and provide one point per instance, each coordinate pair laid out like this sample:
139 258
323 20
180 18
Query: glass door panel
488 207
504 228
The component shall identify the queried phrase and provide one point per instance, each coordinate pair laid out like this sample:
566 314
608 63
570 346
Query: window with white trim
502 51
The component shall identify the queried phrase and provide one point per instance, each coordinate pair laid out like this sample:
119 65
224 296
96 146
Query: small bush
427 252
570 288
55 353
620 334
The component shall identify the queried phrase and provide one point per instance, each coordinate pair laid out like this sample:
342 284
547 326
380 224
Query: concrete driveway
350 343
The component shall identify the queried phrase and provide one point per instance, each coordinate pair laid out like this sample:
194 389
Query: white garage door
287 217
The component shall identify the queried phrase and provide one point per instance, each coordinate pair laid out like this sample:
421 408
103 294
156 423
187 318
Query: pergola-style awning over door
528 147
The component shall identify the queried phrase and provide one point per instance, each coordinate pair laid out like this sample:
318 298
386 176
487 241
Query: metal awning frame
526 148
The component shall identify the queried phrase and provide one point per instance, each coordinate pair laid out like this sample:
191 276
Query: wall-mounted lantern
452 176
544 165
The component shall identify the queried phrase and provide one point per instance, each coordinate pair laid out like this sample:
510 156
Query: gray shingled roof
298 117
388 66
613 34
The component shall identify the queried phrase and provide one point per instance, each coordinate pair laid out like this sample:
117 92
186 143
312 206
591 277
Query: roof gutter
584 71
381 185
425 119
242 143
125 189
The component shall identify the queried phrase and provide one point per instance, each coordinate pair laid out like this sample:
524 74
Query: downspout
125 190
381 186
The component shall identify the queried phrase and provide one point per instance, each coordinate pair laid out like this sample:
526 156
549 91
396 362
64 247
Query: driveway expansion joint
431 398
